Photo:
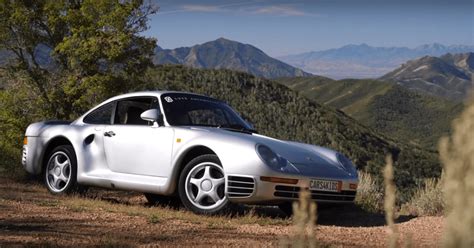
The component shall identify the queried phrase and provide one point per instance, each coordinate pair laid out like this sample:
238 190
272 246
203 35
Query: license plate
325 185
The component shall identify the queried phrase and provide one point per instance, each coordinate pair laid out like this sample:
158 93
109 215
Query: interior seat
132 116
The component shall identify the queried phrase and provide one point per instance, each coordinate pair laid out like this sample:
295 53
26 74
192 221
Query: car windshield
194 110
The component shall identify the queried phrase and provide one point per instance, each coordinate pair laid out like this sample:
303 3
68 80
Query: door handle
109 134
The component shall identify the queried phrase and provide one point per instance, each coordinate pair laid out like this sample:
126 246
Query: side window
129 110
102 115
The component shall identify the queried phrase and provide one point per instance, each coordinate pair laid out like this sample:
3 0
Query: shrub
369 193
427 200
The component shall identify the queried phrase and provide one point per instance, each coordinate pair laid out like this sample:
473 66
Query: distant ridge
449 76
227 54
364 61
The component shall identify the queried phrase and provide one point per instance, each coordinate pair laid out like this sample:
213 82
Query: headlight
346 163
271 158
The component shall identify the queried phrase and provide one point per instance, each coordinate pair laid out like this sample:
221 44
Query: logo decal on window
168 99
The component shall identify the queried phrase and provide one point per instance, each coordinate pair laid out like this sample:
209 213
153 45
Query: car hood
305 159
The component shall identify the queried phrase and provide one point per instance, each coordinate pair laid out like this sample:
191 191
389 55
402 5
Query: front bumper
252 190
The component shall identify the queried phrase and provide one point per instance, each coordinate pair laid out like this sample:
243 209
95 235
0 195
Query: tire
161 200
60 171
287 208
201 186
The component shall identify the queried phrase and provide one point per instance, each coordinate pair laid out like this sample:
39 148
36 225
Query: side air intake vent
238 186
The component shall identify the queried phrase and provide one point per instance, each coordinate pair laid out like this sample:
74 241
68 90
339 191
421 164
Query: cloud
200 8
242 8
205 8
280 10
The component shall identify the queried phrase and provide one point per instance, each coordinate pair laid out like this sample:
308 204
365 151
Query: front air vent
238 186
24 155
293 192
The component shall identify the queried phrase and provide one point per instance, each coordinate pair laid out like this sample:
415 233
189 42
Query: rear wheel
202 185
60 172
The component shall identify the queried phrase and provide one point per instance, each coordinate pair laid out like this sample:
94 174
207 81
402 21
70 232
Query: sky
289 27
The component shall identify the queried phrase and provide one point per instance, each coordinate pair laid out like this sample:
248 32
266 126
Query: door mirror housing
153 115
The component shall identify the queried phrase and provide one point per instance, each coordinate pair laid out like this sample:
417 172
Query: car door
96 122
135 146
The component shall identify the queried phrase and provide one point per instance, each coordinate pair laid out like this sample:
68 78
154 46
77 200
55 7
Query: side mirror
153 115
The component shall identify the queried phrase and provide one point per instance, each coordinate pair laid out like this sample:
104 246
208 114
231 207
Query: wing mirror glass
153 115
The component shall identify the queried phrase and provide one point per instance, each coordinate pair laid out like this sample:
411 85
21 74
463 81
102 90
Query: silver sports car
194 147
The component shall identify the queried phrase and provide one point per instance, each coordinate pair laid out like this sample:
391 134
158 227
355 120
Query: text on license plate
324 185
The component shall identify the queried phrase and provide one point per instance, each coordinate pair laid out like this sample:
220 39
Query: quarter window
102 115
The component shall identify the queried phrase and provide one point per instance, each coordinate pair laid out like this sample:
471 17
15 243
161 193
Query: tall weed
457 156
304 220
389 202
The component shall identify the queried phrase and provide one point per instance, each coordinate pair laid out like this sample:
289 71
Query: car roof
150 93
136 94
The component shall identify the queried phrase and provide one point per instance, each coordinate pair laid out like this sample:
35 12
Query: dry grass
369 194
163 214
427 200
457 156
389 202
31 217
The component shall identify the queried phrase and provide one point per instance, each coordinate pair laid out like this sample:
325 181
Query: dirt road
30 216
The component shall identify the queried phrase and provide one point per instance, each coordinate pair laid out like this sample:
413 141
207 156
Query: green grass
154 219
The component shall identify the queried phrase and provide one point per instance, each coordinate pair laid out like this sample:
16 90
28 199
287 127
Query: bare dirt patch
30 216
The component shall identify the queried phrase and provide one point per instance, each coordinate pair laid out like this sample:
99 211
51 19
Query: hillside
448 76
227 54
364 61
280 112
394 111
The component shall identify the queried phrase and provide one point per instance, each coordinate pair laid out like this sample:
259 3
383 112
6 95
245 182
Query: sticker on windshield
168 99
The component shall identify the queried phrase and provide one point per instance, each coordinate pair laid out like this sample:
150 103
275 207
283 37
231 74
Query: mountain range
364 61
449 76
227 54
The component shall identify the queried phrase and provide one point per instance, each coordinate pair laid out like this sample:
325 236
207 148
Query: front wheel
61 170
202 185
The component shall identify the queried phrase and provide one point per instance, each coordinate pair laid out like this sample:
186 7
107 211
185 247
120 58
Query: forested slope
393 110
